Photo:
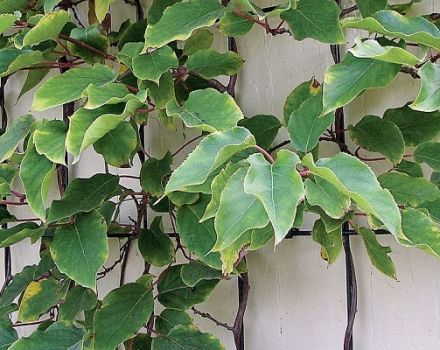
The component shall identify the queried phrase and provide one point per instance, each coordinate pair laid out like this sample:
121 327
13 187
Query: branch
88 47
244 295
209 317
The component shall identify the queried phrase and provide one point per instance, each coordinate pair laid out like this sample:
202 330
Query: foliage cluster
235 192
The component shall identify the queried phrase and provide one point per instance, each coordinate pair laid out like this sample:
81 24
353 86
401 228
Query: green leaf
57 336
208 110
33 78
428 99
200 39
211 63
391 23
6 22
410 168
8 335
101 8
152 173
238 211
299 95
83 195
211 154
278 186
194 272
91 36
343 82
9 6
378 254
420 231
78 299
264 127
12 60
18 284
134 33
124 311
174 293
369 7
69 86
80 249
408 190
327 196
169 318
47 28
306 124
182 198
8 172
429 153
141 341
331 242
198 237
38 298
416 127
14 135
162 93
151 66
155 246
317 19
180 20
50 139
36 173
157 8
129 52
118 145
186 338
232 25
357 180
378 135
393 54
217 186
19 232
88 126
251 240
432 208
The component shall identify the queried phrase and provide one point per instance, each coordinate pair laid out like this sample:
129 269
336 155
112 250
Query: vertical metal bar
4 125
350 274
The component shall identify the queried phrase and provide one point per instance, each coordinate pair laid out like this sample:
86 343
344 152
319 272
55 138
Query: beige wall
296 300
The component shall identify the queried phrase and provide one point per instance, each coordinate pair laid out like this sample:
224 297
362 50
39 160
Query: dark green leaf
83 195
379 135
429 153
378 254
264 127
317 19
409 190
169 318
331 242
198 237
80 249
186 338
155 246
124 310
174 293
152 173
416 127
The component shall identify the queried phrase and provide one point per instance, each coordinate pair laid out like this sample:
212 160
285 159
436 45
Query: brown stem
209 317
265 154
88 47
186 144
348 10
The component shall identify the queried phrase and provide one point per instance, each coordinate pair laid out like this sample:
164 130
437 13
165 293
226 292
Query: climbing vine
239 188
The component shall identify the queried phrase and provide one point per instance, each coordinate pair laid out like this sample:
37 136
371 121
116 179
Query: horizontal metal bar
292 233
